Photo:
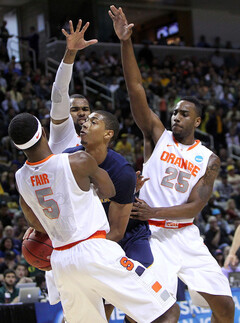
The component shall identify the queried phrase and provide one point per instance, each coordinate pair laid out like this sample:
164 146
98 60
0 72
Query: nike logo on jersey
169 145
37 136
180 162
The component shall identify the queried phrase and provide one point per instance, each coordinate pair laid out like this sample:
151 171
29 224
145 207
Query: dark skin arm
30 216
197 200
144 117
86 171
118 217
75 42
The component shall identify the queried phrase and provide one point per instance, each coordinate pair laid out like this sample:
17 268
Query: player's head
186 117
101 127
26 131
79 109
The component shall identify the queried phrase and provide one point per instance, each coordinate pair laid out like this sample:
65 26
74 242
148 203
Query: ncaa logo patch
199 158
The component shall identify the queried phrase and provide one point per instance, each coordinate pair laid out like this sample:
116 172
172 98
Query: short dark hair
111 122
20 264
196 102
78 96
9 271
22 128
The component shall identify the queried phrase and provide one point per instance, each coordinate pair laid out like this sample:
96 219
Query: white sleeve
63 136
60 108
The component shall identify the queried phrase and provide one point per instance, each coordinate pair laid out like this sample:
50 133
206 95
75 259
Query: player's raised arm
147 121
60 109
84 167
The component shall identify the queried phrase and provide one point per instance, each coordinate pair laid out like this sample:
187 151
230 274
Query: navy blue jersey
135 241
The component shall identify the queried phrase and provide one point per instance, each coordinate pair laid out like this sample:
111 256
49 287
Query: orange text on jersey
180 162
39 179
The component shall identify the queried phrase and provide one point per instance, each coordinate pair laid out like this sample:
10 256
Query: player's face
184 120
93 130
80 110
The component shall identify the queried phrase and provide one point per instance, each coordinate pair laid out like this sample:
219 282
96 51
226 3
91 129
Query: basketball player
97 132
68 114
182 172
135 242
57 195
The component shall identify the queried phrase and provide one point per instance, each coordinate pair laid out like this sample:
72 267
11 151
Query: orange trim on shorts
40 161
168 224
99 234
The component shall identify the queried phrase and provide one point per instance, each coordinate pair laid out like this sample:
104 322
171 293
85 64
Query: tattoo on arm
205 189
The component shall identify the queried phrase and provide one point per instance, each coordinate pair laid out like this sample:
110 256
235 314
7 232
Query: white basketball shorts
182 253
98 268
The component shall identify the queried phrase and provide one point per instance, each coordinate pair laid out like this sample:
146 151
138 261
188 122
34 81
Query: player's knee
174 312
171 315
225 309
228 308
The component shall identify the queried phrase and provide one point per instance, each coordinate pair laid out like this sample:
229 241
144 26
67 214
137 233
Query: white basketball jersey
67 213
63 136
174 169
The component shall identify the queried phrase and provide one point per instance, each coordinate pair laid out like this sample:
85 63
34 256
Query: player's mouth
81 120
82 133
176 125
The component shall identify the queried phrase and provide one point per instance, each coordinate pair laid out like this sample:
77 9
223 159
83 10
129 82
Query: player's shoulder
214 161
116 157
73 149
119 162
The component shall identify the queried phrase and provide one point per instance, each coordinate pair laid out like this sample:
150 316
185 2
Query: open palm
75 40
122 29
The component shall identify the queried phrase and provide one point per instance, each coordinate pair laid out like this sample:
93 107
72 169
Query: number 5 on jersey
50 207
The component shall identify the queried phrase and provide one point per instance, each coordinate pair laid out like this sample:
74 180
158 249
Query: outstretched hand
231 260
140 181
75 40
122 29
141 210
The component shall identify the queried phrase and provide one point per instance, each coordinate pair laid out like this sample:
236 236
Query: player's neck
190 140
98 153
39 155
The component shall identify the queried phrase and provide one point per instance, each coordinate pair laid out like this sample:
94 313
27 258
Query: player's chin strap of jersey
36 137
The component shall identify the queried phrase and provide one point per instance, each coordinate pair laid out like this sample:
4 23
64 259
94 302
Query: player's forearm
185 211
130 68
138 100
69 56
236 242
115 235
60 108
35 224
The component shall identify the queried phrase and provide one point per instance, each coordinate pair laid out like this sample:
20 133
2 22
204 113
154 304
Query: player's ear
44 132
108 134
197 122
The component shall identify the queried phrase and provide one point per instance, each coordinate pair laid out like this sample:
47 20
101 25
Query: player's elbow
107 192
115 235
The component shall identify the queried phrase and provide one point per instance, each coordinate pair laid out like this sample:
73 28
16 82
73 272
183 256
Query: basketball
36 250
